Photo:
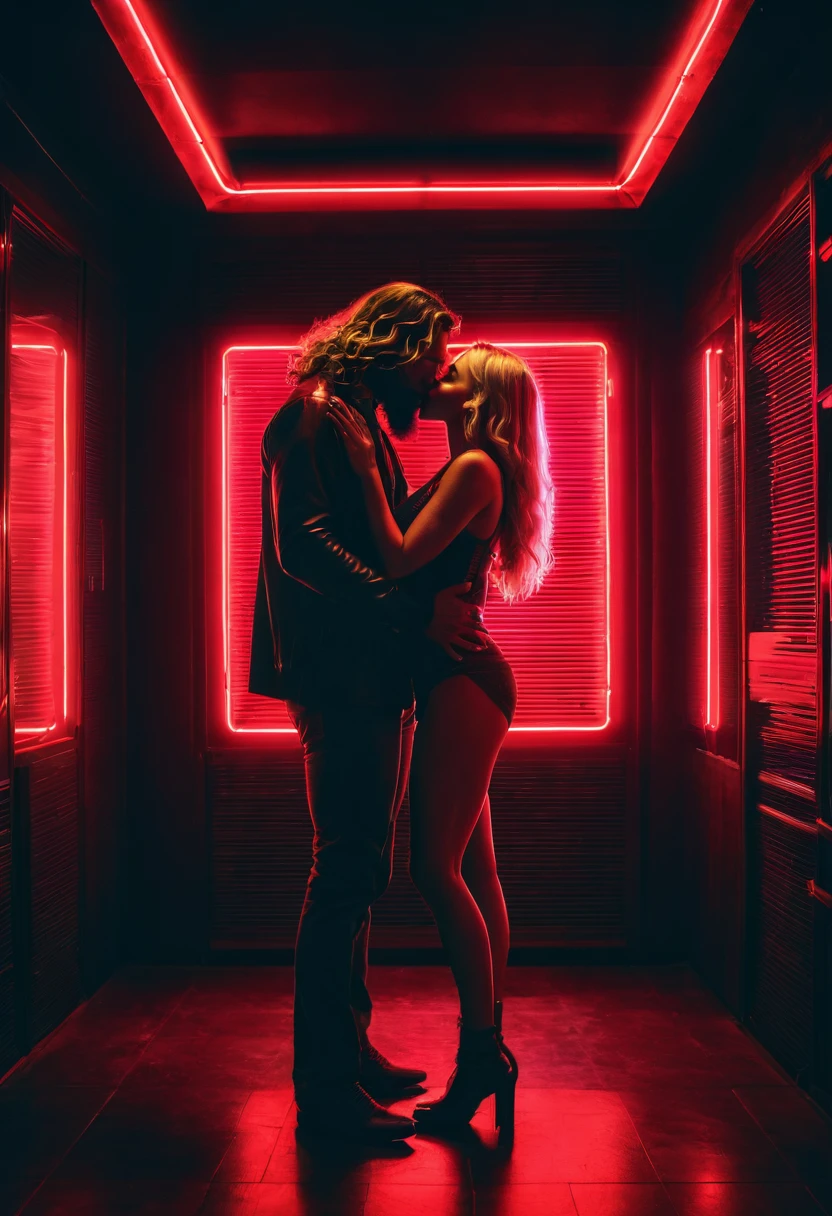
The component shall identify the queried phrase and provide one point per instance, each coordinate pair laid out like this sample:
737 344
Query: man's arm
307 547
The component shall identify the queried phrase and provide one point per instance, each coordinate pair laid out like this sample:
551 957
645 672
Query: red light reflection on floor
558 643
629 1078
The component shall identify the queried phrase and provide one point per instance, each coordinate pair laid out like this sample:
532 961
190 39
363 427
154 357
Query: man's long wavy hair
505 418
386 328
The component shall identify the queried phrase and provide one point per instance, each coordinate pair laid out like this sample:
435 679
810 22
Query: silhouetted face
448 396
403 389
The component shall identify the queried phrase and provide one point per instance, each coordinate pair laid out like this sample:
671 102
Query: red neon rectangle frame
712 361
29 734
288 730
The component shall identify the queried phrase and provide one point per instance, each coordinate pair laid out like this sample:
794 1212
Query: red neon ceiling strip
250 397
126 26
62 355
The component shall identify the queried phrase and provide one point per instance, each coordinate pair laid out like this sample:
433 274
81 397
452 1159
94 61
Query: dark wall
82 150
183 277
64 162
585 810
761 124
164 453
240 275
760 131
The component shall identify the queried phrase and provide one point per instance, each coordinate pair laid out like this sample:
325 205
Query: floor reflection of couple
366 597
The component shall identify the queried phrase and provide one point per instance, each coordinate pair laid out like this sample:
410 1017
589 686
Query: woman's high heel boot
498 1026
481 1070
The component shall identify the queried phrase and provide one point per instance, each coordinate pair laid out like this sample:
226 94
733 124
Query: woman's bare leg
457 742
479 869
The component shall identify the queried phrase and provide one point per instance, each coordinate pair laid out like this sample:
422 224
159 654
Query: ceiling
537 103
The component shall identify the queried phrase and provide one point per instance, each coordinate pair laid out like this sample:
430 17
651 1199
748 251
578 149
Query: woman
486 513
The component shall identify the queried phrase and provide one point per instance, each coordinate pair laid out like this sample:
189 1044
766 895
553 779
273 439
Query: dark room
416 608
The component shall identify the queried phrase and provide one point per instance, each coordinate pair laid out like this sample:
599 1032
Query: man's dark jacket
327 625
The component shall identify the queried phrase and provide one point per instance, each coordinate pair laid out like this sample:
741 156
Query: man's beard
401 409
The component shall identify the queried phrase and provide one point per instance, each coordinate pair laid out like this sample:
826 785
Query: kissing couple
368 621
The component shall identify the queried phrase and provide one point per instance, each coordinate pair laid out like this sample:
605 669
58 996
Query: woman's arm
470 483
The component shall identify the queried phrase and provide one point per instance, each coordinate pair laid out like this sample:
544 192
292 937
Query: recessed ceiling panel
273 107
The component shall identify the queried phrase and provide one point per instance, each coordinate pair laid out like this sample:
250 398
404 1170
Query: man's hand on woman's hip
456 622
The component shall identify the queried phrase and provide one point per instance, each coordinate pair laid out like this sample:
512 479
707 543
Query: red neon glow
39 523
706 43
674 96
558 643
712 379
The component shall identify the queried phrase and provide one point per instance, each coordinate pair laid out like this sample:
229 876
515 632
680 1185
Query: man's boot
347 1112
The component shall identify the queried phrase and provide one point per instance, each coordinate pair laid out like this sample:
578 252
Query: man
329 637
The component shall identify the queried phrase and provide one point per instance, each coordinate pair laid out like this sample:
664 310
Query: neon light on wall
38 526
707 41
712 380
558 643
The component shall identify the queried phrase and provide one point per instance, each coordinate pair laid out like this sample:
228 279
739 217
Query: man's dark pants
357 761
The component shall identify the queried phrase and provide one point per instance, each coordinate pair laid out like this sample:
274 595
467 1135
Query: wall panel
8 1052
559 835
715 873
782 622
55 980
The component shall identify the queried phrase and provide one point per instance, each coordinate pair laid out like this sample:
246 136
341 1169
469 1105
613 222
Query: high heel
498 1026
504 1110
481 1070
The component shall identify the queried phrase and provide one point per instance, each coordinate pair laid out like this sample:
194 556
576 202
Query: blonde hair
386 328
505 418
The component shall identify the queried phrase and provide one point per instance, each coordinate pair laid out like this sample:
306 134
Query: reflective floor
169 1092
